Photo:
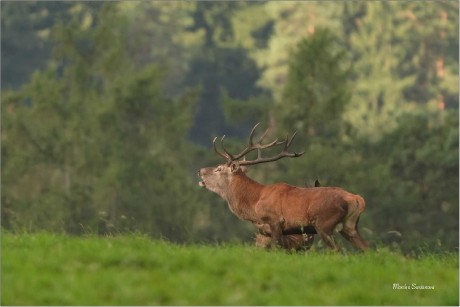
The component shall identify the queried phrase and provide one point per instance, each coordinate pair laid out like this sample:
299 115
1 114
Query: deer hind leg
350 227
328 238
354 237
325 229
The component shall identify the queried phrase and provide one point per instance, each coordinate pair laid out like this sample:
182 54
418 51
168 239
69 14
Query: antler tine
289 144
259 143
218 152
286 142
263 136
272 144
229 155
251 135
251 146
292 137
284 153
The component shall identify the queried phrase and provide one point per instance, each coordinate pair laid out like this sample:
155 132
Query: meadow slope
48 269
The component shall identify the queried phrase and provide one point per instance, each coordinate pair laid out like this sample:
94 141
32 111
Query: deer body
285 208
280 208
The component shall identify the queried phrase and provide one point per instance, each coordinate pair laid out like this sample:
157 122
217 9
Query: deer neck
243 195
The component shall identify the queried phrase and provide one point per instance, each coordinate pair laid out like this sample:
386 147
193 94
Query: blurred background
109 109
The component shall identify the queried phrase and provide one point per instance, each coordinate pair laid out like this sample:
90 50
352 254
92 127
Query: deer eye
218 169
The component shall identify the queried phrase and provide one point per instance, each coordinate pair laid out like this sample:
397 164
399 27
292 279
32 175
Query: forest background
109 109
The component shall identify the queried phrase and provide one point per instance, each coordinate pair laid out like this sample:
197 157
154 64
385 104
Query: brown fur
285 208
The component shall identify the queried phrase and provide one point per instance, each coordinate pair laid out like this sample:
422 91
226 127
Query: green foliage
222 73
134 270
222 67
26 35
161 33
317 89
421 160
400 53
250 110
23 25
290 23
378 95
96 140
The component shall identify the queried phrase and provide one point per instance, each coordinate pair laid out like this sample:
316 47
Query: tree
430 53
317 88
291 22
400 53
20 35
26 29
95 142
222 68
162 33
416 183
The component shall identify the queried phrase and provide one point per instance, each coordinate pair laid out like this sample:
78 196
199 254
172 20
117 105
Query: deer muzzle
201 182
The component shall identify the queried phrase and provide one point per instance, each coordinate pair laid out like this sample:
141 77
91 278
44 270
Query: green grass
47 269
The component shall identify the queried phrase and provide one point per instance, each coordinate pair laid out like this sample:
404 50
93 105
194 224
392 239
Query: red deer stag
284 208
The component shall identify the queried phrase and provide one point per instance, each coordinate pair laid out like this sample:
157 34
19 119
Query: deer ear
234 167
244 169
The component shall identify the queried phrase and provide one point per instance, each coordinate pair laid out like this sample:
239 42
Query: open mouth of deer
201 182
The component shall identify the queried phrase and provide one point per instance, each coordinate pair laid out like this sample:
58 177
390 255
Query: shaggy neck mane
244 194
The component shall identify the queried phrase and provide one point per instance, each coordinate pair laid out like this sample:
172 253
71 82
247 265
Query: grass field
46 269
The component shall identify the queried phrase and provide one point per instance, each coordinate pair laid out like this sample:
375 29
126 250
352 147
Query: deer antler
259 147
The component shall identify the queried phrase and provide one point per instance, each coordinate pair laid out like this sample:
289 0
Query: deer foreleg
277 235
